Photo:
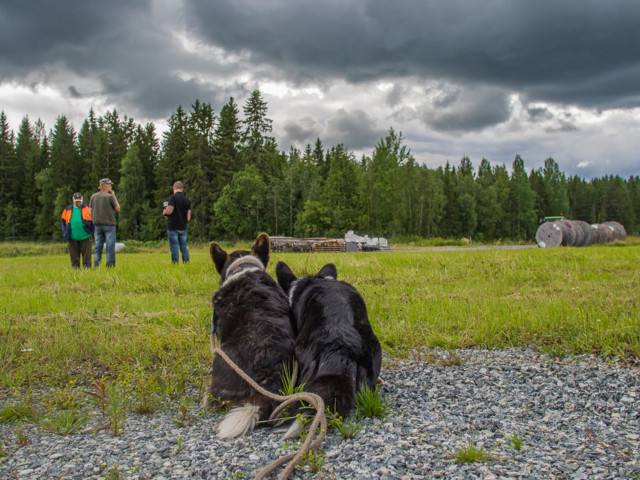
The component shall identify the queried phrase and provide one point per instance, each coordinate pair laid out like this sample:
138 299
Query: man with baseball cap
103 208
77 227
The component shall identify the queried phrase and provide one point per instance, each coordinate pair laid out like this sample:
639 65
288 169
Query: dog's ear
261 248
329 270
218 255
285 276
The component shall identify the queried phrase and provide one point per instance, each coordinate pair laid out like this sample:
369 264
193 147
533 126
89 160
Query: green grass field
149 319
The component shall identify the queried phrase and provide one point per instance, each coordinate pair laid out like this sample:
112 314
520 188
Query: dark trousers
77 248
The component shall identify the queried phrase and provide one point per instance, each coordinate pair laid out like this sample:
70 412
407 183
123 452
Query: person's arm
117 205
188 215
168 210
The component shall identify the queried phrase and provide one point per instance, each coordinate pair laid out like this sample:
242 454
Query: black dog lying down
336 348
252 320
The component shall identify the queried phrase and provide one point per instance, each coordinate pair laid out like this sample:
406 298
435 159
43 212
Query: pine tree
555 188
340 193
119 137
257 146
389 156
466 198
487 207
66 165
450 225
521 202
28 156
198 169
131 195
225 144
8 187
88 147
172 160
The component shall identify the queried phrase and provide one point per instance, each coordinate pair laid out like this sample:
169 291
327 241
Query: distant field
150 319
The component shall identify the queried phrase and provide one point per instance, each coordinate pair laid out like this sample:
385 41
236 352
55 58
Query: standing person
178 213
103 208
77 227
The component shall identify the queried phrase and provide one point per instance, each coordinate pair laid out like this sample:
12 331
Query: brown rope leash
312 441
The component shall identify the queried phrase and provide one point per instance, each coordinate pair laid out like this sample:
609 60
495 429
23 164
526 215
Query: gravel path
578 418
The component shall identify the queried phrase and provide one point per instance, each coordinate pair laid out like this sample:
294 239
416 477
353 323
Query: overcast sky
490 78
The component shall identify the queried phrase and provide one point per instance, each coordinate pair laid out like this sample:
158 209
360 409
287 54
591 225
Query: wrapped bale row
576 233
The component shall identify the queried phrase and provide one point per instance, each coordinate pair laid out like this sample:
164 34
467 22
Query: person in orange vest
77 227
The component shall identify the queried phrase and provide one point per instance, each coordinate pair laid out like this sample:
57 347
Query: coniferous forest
240 182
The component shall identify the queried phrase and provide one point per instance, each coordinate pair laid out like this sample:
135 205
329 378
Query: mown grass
148 319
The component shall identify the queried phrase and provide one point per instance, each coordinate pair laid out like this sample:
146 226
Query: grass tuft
370 403
470 453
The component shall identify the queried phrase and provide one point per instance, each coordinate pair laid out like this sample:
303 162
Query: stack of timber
320 244
291 244
576 233
329 245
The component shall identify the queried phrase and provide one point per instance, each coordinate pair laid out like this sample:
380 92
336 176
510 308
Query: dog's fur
252 320
336 347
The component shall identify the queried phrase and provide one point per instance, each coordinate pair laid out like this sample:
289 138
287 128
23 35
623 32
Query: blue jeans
178 240
105 234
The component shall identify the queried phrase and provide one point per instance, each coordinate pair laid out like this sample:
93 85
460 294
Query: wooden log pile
320 245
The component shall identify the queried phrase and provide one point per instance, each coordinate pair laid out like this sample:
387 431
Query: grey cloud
74 92
460 110
355 129
301 132
394 96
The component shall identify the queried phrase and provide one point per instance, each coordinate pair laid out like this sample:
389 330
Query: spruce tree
487 206
257 146
131 195
466 198
198 168
521 203
8 187
28 156
555 188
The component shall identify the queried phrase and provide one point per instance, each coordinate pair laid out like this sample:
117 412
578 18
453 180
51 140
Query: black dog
252 320
336 348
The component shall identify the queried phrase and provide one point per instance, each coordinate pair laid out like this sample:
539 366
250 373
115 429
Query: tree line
240 183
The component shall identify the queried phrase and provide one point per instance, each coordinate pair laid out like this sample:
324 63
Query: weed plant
111 399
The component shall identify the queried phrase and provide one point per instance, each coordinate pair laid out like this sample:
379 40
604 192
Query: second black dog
336 348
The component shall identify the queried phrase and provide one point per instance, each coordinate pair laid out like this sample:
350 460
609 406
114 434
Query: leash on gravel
311 442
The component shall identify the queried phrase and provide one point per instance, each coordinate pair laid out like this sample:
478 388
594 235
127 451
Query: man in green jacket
77 227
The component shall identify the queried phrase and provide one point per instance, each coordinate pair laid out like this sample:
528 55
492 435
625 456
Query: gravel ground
578 418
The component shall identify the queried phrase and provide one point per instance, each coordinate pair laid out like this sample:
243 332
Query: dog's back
253 326
336 347
252 321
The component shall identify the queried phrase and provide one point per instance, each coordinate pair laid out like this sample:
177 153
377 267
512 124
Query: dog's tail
242 420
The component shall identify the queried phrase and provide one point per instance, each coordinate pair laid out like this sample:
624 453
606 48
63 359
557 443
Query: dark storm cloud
116 45
36 33
582 52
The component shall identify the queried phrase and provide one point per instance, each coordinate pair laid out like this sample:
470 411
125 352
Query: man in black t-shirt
178 212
